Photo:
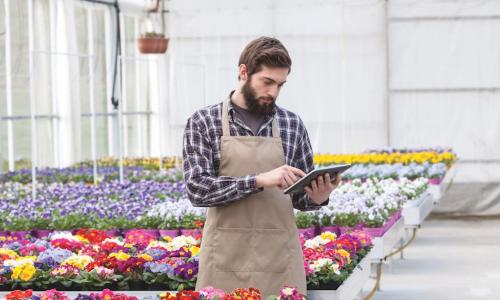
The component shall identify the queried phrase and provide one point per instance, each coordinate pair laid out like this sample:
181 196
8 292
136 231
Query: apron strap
276 132
225 122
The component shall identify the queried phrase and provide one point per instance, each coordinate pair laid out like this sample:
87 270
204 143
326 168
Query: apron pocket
233 249
272 251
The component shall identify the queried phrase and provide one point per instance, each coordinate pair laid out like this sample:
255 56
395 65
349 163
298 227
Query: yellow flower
328 236
345 254
82 239
167 238
16 272
146 257
195 250
78 261
120 255
28 273
10 253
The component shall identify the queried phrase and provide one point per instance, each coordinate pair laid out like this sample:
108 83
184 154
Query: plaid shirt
202 153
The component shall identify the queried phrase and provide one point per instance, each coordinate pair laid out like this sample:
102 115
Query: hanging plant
152 42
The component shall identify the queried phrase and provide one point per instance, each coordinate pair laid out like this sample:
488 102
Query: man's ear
243 72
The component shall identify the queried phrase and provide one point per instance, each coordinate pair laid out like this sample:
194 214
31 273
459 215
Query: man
239 155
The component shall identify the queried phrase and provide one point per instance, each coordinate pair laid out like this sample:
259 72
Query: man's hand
321 188
281 177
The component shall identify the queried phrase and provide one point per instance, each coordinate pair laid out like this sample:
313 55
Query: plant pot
375 232
435 181
113 232
20 235
196 233
333 229
41 233
332 285
172 233
152 45
307 233
153 232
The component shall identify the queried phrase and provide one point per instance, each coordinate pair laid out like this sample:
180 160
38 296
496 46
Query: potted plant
306 224
192 225
152 42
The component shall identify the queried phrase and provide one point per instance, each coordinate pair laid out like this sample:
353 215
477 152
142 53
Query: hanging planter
152 43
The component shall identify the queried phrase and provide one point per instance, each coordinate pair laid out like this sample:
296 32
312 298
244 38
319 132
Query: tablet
306 180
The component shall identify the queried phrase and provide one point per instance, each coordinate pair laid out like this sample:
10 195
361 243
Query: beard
252 101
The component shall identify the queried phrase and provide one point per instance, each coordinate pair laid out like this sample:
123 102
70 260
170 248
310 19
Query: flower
78 261
19 295
211 293
290 293
67 271
23 272
120 255
53 294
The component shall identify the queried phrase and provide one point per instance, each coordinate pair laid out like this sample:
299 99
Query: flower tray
350 288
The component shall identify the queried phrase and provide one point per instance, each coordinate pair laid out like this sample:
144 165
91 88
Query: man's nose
273 91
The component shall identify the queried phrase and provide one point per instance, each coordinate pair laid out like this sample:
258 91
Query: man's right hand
281 177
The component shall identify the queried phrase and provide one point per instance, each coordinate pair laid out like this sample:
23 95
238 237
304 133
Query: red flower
67 244
92 235
19 295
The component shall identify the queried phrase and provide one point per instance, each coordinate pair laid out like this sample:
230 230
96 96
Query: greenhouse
266 149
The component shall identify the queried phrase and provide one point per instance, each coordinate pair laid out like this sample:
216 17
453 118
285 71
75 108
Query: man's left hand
321 188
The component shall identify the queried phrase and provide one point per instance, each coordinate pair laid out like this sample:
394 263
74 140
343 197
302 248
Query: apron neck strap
225 122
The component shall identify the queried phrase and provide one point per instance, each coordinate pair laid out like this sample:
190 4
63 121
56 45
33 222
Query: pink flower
53 294
210 293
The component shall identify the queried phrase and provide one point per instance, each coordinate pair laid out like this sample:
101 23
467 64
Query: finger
321 183
293 177
284 184
327 178
297 172
338 179
314 185
308 190
289 181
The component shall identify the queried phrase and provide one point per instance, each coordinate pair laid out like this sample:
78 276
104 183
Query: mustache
267 98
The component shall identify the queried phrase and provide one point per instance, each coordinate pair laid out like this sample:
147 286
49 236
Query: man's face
261 89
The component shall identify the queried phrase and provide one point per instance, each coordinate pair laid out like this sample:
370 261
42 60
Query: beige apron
252 242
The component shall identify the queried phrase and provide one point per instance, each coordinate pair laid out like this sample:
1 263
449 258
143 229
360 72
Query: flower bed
91 260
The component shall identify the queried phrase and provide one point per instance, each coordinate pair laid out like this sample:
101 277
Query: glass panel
101 138
21 95
4 156
43 84
19 57
138 135
22 143
99 66
45 143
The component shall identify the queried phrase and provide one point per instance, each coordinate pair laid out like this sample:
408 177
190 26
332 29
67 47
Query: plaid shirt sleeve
303 159
204 187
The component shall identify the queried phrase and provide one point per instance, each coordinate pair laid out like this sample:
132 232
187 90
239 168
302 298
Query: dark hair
265 51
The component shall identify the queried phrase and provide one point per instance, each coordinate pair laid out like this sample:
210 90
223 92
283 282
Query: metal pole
8 86
138 81
90 31
55 105
342 81
32 98
123 88
109 81
121 92
388 76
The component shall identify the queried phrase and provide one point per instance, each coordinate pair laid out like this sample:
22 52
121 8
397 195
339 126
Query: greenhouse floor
450 259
